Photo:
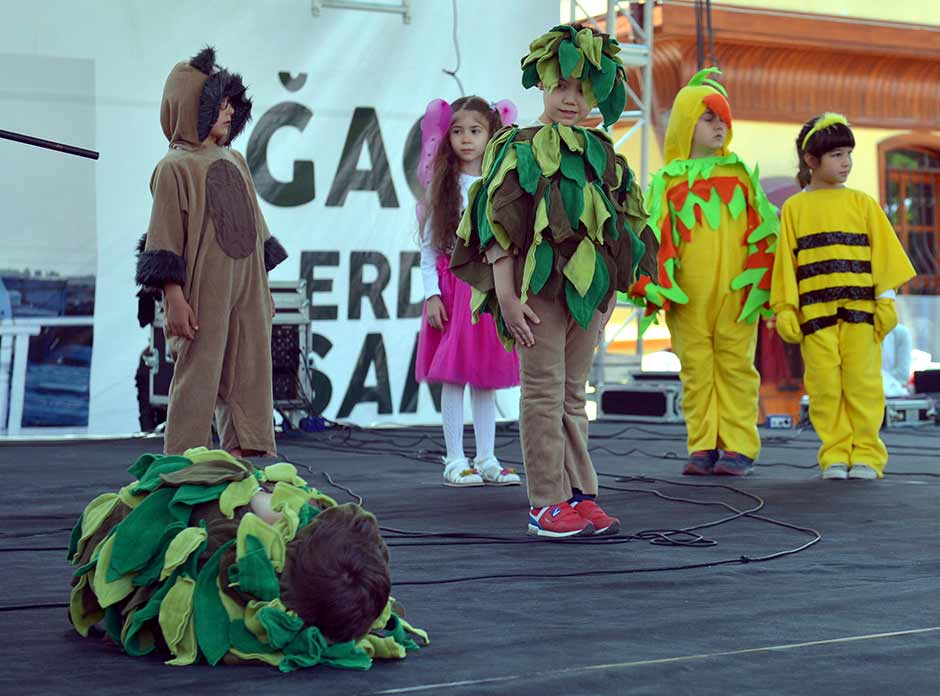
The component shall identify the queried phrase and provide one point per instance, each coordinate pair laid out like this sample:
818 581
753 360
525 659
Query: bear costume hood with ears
193 95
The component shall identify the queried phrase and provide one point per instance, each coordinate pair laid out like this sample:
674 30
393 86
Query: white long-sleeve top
429 252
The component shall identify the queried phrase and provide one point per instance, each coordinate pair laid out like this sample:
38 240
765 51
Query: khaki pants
553 424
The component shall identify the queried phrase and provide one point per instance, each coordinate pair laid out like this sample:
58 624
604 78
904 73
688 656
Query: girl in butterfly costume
452 349
717 234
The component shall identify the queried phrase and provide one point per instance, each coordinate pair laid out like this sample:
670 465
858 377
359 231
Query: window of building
911 198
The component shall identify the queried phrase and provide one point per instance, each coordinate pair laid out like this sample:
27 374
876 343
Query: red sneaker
701 463
594 513
557 522
734 464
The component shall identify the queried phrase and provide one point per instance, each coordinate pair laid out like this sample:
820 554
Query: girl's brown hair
442 199
826 140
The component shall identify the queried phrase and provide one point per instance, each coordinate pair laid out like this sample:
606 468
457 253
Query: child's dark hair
826 140
338 578
442 199
578 26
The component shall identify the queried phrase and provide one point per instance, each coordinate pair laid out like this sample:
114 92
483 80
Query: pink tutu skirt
464 352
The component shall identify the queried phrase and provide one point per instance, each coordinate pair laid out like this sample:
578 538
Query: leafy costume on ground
717 238
175 562
559 197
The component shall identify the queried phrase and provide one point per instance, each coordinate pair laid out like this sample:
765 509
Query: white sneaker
460 473
862 471
836 471
495 474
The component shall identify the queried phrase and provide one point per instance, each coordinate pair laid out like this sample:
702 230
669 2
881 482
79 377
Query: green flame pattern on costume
747 196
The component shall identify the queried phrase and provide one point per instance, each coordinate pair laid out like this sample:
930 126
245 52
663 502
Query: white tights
483 403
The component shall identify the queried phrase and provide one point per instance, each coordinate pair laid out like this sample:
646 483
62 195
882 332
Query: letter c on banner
301 188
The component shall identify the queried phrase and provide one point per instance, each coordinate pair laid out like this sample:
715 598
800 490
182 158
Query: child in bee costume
839 263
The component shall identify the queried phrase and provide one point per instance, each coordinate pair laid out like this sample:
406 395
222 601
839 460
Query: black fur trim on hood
219 85
204 61
274 253
157 268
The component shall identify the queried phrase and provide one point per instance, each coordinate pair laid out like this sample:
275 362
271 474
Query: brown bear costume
208 235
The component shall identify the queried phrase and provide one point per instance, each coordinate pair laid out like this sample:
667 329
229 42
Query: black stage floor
858 612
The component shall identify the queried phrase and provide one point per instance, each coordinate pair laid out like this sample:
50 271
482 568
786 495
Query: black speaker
927 382
634 403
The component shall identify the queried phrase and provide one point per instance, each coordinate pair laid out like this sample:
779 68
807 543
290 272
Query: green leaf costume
568 207
567 52
176 562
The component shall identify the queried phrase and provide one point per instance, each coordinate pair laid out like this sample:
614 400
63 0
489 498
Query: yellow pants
846 396
720 385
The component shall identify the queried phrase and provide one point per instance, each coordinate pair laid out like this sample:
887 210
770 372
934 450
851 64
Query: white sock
452 417
483 402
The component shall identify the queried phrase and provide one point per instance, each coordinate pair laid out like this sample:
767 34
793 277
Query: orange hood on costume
192 98
691 102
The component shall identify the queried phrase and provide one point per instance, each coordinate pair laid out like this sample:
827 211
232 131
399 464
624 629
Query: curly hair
442 199
338 578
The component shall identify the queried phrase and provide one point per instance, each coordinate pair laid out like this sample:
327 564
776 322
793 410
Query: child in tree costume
551 231
208 250
205 557
717 236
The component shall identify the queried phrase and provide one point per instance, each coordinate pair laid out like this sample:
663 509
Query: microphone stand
48 144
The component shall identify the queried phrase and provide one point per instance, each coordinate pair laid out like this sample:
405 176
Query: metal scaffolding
639 109
401 7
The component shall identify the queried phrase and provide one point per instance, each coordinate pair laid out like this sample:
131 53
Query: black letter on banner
373 352
412 158
309 260
408 260
320 383
363 130
299 190
409 395
373 289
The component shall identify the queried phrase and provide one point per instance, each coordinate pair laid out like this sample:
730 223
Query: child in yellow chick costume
717 234
838 265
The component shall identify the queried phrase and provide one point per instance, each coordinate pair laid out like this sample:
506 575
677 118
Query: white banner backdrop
332 146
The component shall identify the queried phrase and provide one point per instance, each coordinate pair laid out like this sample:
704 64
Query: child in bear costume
208 250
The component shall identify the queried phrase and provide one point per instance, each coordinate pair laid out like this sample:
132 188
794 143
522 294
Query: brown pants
225 371
553 424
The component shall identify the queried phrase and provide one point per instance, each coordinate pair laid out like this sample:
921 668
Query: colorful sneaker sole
535 530
613 528
733 470
698 468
